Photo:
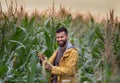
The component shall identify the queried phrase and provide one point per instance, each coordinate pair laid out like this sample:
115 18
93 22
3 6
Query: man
64 60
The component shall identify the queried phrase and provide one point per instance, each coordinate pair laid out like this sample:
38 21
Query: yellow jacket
67 68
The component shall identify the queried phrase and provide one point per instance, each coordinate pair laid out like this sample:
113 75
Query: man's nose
59 39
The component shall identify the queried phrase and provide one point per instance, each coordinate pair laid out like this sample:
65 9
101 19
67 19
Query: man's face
61 38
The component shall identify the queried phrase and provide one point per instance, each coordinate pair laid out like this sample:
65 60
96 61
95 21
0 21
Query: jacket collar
68 49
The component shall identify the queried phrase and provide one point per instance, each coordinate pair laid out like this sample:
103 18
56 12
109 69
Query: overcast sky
93 6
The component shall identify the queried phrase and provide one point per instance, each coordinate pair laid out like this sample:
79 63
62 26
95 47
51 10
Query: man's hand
48 67
41 57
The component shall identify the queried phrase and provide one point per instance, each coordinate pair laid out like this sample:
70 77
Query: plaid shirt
56 63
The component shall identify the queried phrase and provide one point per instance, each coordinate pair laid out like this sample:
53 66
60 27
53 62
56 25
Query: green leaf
21 44
3 69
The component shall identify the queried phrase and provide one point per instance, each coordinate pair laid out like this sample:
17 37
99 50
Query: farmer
64 60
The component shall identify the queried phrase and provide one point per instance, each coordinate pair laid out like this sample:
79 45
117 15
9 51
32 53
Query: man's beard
63 44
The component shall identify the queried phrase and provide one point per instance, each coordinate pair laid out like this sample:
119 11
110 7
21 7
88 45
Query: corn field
22 36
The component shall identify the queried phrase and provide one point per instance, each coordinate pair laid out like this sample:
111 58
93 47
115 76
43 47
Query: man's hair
62 29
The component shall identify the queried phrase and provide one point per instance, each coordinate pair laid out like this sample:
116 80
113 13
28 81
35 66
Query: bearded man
64 60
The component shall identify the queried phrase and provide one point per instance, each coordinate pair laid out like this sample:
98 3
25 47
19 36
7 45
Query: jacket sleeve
51 59
69 67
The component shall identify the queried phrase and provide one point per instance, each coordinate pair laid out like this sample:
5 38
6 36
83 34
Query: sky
92 6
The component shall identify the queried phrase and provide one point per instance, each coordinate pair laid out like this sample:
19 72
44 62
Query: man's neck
64 47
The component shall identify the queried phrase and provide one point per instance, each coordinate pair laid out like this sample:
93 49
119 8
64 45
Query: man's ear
67 37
